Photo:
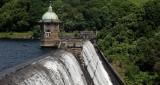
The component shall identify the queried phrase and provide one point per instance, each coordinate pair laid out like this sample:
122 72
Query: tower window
48 30
48 34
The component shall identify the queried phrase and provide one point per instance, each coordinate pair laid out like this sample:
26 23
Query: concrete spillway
94 65
60 68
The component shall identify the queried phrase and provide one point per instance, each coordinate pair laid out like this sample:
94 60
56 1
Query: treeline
20 15
131 41
23 15
129 32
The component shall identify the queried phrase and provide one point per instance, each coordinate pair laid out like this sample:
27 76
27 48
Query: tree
14 16
152 13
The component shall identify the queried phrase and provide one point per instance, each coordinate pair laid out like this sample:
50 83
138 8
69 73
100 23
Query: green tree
152 13
14 16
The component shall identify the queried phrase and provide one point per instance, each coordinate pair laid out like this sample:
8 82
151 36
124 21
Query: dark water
13 52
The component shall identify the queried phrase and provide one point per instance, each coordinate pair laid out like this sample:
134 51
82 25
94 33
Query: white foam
94 65
63 71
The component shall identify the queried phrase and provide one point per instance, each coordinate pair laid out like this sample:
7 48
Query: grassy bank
16 34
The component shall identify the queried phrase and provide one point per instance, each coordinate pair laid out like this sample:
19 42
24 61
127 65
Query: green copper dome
50 15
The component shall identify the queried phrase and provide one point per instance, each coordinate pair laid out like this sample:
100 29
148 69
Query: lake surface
14 52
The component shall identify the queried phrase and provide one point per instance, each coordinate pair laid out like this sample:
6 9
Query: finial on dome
50 7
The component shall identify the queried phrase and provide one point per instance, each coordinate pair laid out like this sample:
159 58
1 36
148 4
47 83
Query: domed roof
50 15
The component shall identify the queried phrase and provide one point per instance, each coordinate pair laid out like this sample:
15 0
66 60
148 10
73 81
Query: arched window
48 34
48 30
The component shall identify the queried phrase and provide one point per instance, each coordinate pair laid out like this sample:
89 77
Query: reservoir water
14 52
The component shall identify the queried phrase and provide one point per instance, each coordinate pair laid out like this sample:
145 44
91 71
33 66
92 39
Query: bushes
36 31
134 42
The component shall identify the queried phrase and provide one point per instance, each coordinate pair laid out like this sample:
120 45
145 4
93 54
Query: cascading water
94 65
59 69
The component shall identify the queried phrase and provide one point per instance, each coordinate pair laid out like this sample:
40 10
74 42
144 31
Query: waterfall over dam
94 65
60 68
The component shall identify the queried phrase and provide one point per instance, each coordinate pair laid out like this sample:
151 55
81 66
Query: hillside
129 30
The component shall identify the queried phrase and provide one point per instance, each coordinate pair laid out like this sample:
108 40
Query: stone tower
49 26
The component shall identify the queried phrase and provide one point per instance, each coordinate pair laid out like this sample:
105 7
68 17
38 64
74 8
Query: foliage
36 31
133 40
139 2
129 30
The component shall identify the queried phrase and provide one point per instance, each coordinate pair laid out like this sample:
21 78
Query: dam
76 61
61 67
